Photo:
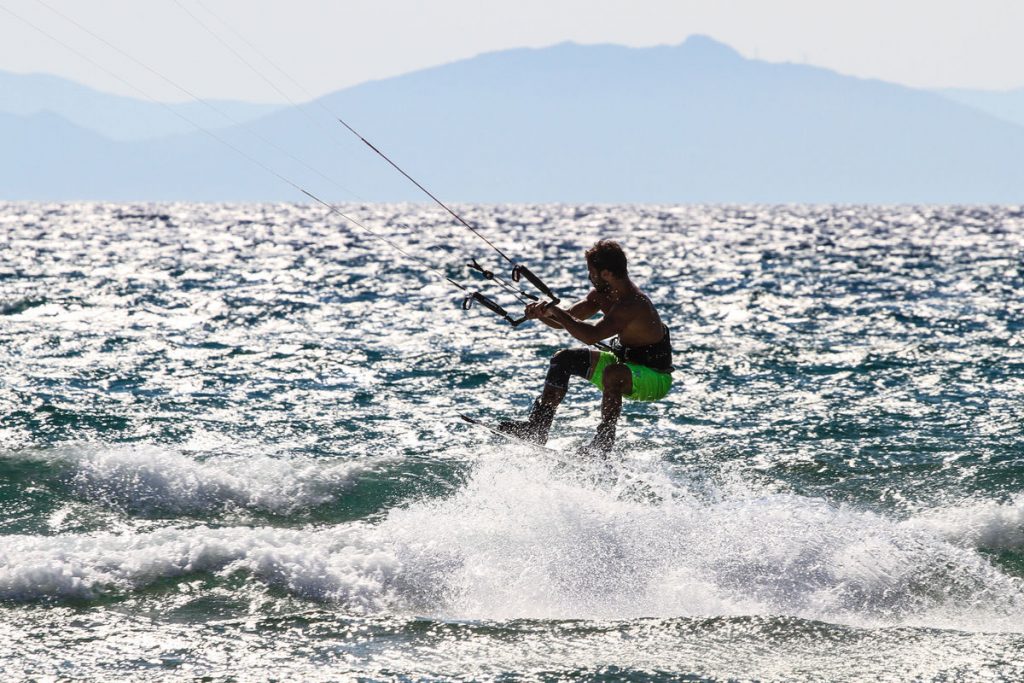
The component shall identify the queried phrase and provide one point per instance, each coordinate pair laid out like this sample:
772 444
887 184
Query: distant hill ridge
695 122
114 116
1007 105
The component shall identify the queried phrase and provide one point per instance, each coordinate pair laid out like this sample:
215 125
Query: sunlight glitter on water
229 430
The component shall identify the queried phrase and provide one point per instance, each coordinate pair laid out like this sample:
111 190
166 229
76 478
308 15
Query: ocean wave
325 565
536 542
525 539
148 479
992 525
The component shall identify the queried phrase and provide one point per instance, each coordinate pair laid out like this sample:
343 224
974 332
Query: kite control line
519 270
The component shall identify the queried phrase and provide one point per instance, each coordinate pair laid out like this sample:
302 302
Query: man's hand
537 309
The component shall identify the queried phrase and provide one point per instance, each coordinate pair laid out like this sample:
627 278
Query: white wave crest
524 539
977 524
145 478
326 565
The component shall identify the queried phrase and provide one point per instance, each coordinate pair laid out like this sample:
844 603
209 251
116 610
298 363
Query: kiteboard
510 438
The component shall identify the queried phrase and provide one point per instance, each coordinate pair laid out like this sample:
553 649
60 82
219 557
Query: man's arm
613 322
581 310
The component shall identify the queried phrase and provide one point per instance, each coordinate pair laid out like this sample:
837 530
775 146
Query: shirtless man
640 367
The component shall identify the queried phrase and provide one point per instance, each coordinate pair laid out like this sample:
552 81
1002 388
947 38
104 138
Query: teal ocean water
229 450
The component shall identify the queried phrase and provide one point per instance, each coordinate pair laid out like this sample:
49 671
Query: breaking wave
526 539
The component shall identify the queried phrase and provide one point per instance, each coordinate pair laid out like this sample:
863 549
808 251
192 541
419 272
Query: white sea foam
977 524
331 564
523 540
150 479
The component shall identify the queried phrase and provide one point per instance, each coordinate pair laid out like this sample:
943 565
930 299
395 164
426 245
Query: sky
327 45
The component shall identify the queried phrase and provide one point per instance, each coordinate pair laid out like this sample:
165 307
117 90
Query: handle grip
522 271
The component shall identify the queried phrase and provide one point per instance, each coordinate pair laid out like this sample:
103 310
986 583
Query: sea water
229 448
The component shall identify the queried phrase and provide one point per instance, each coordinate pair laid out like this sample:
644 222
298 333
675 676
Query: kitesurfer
639 366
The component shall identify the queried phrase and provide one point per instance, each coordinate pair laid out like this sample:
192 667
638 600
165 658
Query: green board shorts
648 384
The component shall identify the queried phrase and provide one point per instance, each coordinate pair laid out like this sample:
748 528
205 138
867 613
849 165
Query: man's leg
618 381
552 395
564 364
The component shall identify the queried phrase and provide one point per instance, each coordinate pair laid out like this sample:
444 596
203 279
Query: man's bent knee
566 363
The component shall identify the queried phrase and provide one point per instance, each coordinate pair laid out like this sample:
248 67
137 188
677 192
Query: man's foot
534 430
601 445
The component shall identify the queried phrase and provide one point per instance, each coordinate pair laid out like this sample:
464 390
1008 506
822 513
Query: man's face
596 280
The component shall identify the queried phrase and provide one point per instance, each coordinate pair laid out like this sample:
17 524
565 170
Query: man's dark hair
607 255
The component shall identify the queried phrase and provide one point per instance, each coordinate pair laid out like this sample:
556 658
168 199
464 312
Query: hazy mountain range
1007 105
695 122
115 117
